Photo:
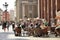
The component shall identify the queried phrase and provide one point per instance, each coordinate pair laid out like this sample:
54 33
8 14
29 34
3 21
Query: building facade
48 9
5 16
27 8
12 15
44 9
58 5
1 12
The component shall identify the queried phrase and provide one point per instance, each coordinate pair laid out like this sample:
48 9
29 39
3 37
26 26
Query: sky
11 4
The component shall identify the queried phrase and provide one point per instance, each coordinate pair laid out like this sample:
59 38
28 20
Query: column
41 8
32 11
56 10
56 5
38 9
44 10
23 11
51 9
48 10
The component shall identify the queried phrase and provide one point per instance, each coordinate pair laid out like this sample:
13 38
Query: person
58 24
44 29
42 26
57 30
53 26
46 23
13 26
4 26
7 25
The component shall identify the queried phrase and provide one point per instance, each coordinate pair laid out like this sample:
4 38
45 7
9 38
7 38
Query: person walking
13 26
7 25
4 26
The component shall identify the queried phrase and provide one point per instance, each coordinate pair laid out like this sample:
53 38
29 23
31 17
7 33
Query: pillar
44 10
41 8
23 11
38 9
51 9
48 10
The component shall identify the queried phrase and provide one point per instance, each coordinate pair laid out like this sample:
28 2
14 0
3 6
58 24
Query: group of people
33 24
37 23
25 23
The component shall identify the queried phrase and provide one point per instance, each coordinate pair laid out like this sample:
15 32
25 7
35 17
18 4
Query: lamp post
6 5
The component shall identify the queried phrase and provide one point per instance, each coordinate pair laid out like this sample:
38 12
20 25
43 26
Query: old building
12 15
48 9
44 9
27 8
5 16
1 12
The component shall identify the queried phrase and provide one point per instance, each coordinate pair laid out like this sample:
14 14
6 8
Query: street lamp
6 5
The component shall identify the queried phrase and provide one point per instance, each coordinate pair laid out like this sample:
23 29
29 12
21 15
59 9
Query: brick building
5 16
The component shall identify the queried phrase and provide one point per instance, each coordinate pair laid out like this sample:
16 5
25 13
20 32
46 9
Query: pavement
9 35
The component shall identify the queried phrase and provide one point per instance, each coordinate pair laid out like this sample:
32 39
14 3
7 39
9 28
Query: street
9 35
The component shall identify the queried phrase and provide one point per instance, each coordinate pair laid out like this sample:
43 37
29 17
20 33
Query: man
13 26
4 26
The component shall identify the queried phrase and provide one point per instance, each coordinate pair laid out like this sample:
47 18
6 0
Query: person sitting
42 26
44 29
46 23
53 26
57 30
57 26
